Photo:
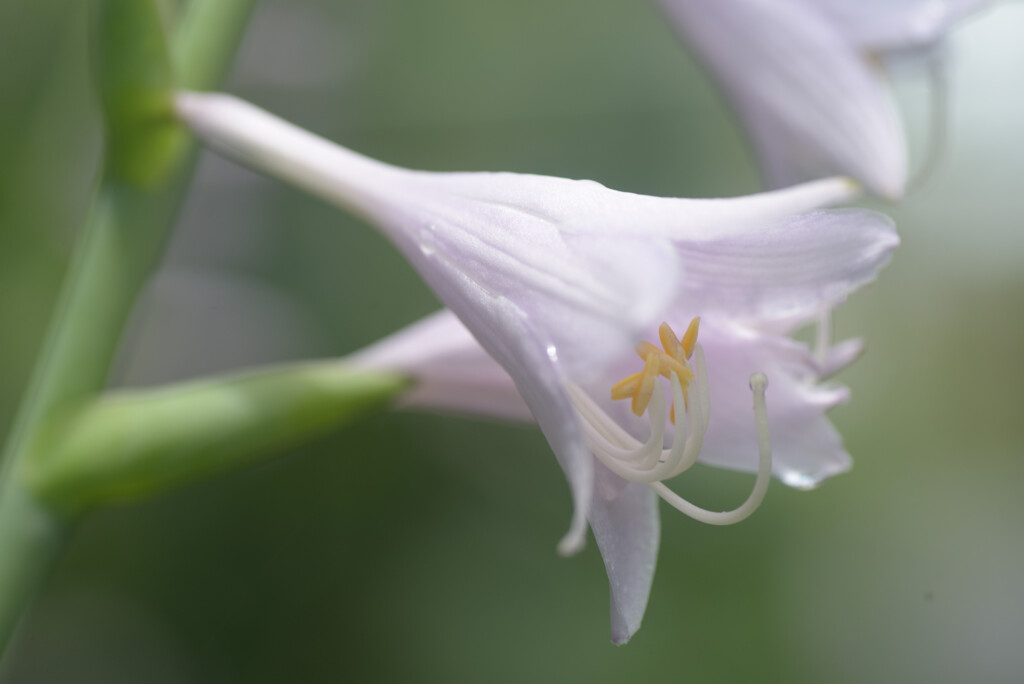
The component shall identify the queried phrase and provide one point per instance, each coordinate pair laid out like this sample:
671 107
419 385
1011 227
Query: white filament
650 463
764 471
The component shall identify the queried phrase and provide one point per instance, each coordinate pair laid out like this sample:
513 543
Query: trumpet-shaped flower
806 79
455 374
561 282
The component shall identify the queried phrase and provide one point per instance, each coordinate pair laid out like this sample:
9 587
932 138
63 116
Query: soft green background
419 548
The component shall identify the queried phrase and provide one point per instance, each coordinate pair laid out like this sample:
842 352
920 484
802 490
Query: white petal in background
881 25
791 76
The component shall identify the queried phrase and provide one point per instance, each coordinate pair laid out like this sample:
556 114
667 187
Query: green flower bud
137 443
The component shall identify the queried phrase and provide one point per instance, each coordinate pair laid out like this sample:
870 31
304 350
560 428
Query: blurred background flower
808 79
418 547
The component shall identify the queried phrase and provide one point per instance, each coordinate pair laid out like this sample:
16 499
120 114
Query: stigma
680 361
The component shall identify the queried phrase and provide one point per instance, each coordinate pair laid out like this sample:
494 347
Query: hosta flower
455 374
561 281
807 81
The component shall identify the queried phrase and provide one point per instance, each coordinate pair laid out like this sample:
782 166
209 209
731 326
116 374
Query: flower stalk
148 166
31 539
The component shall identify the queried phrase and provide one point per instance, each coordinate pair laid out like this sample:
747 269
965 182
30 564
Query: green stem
120 245
207 39
31 537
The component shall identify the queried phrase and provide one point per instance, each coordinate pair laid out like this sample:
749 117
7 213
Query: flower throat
681 362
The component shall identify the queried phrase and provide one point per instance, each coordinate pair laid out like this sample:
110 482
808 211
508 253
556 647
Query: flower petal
785 64
896 24
590 267
508 335
628 530
452 371
474 235
788 270
540 242
841 355
806 448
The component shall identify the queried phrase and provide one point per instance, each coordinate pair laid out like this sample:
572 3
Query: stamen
671 344
645 350
690 336
758 382
628 458
627 387
610 443
650 462
646 389
671 359
623 454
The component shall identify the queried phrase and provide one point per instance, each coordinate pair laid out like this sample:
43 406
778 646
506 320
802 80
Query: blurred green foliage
421 548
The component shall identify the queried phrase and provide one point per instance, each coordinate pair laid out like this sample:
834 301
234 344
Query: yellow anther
668 364
627 387
671 343
689 340
672 359
646 390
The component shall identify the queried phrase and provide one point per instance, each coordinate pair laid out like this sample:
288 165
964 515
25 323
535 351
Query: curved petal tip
576 538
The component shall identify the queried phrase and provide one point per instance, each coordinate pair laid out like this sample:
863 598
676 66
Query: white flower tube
558 281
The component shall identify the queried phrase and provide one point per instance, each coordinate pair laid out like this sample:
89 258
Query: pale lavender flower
454 374
558 281
806 78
